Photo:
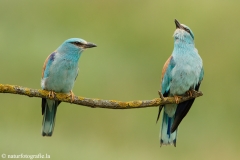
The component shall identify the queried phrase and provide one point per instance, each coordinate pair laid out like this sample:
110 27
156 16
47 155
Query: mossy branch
92 102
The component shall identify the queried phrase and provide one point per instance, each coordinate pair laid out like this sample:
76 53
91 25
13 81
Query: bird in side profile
182 74
59 73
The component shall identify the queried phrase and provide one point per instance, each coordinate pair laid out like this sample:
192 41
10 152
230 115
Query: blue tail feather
50 109
167 138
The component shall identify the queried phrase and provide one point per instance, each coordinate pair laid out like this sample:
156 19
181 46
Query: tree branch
92 102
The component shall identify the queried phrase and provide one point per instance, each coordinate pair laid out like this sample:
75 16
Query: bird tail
49 113
167 138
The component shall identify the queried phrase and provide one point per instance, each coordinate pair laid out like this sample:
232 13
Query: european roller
59 73
182 74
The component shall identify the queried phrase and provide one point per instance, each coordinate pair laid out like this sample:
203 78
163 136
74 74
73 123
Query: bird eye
77 43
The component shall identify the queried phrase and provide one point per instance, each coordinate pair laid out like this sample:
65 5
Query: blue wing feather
167 77
48 62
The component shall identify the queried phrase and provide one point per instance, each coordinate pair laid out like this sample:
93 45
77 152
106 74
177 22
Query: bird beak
90 45
178 25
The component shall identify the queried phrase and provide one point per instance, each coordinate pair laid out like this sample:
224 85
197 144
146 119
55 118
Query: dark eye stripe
187 30
77 43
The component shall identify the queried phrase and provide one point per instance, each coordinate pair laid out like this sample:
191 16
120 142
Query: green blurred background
134 40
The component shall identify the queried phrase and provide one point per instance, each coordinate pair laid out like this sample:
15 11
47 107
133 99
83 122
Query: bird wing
184 107
47 64
45 73
166 75
165 66
166 79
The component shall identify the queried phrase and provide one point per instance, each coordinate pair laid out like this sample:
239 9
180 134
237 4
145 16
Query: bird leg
177 98
161 95
72 96
51 94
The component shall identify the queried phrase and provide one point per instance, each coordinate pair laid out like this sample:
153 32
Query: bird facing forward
59 73
182 74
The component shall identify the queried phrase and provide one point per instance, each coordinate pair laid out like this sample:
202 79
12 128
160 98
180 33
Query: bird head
75 45
183 32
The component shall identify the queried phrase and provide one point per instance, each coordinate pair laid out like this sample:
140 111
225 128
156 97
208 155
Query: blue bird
59 73
182 74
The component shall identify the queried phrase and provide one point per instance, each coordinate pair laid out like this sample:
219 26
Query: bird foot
177 99
190 92
51 94
72 96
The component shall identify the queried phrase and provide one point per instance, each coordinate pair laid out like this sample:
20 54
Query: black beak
90 45
178 25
